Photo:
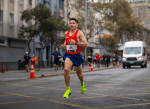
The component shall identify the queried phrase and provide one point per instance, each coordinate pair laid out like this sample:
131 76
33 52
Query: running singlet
72 49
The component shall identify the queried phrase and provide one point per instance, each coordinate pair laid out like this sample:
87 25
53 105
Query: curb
46 75
56 74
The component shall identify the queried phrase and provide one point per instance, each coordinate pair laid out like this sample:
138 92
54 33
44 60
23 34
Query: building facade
13 49
73 13
57 9
141 10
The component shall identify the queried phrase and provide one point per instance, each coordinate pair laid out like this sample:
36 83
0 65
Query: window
1 15
97 40
11 18
61 4
1 41
55 6
21 22
133 50
22 1
30 2
30 22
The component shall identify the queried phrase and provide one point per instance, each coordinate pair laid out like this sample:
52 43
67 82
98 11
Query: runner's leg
80 76
79 73
68 65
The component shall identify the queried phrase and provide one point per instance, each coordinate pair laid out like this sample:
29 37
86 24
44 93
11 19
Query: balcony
136 3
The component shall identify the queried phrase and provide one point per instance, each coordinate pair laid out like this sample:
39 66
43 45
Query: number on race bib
71 48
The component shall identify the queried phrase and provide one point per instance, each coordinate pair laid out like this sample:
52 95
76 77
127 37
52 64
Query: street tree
45 27
92 26
117 18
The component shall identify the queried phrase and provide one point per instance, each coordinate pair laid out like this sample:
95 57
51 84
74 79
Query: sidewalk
19 75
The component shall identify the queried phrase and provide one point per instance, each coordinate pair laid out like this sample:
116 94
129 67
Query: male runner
89 57
56 56
75 40
26 58
98 56
94 59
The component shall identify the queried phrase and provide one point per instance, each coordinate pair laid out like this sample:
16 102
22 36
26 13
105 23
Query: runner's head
98 53
26 53
73 23
56 49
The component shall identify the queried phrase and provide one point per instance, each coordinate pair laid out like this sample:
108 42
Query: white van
134 54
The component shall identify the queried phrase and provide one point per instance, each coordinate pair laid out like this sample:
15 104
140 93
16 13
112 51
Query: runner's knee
66 71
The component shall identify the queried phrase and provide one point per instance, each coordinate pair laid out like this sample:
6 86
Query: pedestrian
74 42
114 59
94 59
27 60
108 60
62 62
83 57
98 56
56 55
89 57
104 59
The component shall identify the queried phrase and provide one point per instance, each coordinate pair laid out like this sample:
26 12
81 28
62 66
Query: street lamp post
85 30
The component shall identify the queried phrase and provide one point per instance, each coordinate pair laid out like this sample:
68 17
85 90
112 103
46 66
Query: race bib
89 56
71 48
113 59
106 59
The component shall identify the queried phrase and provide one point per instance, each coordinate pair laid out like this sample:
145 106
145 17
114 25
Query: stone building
13 49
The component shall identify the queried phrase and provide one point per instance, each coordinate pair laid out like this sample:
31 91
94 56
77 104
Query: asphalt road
106 89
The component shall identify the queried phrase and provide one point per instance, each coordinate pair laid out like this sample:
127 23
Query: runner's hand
72 42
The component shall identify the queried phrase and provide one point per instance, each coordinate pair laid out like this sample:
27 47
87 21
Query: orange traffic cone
2 67
147 62
92 67
32 72
118 64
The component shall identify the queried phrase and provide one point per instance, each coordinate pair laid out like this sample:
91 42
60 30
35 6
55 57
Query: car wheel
124 67
142 66
129 66
145 65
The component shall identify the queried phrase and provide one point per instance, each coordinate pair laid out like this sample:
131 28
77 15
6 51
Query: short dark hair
74 19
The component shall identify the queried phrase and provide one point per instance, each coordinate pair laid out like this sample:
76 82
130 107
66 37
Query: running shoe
67 93
83 88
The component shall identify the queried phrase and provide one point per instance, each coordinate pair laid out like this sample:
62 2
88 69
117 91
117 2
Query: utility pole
85 30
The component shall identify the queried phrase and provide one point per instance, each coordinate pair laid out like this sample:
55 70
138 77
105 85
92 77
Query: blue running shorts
75 58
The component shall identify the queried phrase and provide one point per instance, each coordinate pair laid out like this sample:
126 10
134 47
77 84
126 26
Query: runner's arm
83 40
59 55
53 55
22 59
63 46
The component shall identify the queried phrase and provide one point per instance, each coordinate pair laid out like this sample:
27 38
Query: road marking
129 105
42 99
20 102
115 74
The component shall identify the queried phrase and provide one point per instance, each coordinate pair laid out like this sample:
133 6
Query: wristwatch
76 43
